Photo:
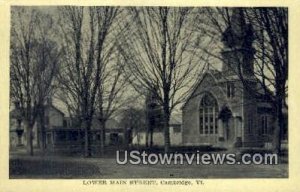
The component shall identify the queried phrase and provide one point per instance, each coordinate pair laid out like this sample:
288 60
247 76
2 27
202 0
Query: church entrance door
229 131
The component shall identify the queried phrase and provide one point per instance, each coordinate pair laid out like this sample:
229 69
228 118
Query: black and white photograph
148 92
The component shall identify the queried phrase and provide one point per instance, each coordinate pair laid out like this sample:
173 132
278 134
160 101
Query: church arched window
208 115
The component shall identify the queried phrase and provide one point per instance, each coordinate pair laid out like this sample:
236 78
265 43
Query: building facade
222 109
61 131
54 121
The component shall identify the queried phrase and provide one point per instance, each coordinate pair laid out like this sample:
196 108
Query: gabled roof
16 113
112 124
55 108
213 73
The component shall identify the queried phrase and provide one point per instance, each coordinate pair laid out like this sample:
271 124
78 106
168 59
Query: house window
98 137
65 123
264 124
49 138
230 89
176 128
208 115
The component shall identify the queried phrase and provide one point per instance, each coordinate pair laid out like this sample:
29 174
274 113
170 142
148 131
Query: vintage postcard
121 95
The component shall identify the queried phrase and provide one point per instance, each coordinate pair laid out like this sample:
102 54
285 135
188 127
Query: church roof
214 73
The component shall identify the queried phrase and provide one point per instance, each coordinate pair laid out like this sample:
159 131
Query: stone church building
222 110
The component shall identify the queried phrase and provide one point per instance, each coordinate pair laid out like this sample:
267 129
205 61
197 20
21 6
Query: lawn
54 166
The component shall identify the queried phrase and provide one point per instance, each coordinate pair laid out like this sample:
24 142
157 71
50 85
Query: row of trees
90 71
96 60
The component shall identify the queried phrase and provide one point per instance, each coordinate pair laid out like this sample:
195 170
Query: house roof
112 124
16 113
55 108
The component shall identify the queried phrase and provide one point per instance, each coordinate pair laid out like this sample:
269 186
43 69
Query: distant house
54 122
176 129
154 121
113 131
62 131
16 129
72 134
54 119
139 138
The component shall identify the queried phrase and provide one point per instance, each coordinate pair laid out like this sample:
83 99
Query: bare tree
133 122
272 42
153 117
270 27
88 41
34 59
111 97
48 55
158 56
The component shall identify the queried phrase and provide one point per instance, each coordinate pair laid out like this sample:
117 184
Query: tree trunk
126 138
29 142
279 125
43 141
151 137
138 139
42 131
103 138
167 135
87 139
39 136
147 137
166 128
166 82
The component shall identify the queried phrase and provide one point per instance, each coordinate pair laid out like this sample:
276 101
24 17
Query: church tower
238 56
238 52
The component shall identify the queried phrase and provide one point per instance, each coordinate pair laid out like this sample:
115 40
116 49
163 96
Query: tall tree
272 69
88 41
34 60
111 97
159 56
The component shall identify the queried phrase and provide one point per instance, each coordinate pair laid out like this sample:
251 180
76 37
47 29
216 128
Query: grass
50 168
57 168
60 165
